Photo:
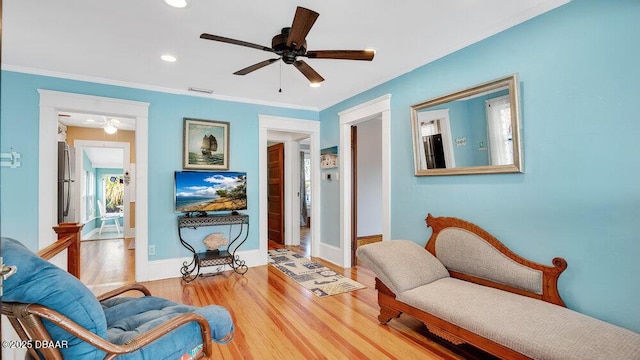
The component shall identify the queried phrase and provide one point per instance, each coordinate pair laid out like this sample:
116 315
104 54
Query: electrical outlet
152 249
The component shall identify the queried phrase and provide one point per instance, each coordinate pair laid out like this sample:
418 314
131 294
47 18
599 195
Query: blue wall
579 196
19 130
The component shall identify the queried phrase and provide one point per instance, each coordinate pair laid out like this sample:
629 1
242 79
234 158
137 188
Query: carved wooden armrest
123 289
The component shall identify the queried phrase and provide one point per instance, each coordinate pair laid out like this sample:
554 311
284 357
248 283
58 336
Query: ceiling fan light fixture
110 127
315 84
180 4
168 58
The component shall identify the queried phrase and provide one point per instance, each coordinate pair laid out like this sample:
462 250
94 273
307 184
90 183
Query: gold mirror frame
509 84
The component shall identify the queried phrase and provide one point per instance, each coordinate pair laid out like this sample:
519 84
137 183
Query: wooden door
275 185
354 194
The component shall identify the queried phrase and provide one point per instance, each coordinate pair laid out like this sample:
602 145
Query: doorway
104 201
289 192
104 198
51 104
293 133
305 198
376 108
366 184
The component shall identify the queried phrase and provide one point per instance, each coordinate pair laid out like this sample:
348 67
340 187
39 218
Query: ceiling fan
291 43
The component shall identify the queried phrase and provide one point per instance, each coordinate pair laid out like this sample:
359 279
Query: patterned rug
315 277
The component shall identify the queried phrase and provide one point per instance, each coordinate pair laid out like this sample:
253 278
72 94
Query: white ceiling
102 157
120 42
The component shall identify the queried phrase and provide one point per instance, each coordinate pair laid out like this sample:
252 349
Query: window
430 127
113 192
88 196
499 131
307 181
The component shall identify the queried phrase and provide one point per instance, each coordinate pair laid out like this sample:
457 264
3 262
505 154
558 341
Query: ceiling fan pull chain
280 90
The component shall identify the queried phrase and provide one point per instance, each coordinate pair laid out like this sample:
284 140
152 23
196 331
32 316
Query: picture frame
205 145
329 157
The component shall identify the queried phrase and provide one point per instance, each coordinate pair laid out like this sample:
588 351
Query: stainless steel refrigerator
434 151
66 175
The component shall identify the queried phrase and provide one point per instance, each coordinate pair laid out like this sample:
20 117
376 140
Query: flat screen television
205 191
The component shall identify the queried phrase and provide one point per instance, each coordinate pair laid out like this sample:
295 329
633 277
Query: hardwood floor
275 318
107 264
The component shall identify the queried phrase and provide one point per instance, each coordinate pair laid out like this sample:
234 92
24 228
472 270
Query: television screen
210 191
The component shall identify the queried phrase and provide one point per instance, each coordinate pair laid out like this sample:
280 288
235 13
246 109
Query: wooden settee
467 287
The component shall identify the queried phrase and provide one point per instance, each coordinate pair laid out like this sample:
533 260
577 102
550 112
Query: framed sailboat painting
206 145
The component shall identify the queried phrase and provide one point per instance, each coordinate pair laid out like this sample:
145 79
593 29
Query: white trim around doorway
281 125
379 107
53 102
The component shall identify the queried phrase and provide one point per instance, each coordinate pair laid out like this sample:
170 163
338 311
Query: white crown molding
104 81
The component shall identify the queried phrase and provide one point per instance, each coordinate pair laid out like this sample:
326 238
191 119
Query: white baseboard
331 254
91 233
170 268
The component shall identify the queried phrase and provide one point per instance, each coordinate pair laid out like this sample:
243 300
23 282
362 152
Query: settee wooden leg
387 314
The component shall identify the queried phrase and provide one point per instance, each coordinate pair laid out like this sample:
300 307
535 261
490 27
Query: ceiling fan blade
234 42
308 71
366 55
303 20
255 67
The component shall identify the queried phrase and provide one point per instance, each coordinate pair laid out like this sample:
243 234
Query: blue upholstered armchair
59 318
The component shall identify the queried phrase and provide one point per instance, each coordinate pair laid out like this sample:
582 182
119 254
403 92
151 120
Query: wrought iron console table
191 270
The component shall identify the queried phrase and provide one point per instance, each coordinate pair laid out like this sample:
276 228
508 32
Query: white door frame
126 168
52 102
311 129
379 107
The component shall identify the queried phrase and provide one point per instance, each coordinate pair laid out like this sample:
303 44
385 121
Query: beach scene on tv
210 191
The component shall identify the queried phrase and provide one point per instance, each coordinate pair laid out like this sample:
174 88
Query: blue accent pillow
38 281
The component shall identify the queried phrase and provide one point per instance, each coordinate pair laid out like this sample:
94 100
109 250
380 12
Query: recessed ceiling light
315 84
177 3
168 58
89 120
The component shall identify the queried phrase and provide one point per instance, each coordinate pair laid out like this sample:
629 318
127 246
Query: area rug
315 277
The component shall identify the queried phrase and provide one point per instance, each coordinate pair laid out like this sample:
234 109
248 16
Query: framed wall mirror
471 131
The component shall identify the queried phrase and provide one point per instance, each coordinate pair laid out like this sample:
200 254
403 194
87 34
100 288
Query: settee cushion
38 281
129 317
532 327
401 264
